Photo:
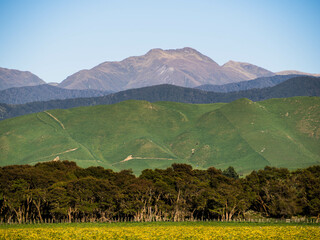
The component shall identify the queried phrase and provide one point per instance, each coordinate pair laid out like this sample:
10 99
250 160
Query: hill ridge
245 134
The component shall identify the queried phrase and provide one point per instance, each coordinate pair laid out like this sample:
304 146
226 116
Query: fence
88 220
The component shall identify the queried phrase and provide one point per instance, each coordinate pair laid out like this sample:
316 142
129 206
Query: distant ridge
44 92
288 72
14 78
262 82
298 86
249 71
184 67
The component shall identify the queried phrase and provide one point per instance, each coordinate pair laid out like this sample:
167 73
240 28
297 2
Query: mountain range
235 124
14 78
298 86
184 67
46 92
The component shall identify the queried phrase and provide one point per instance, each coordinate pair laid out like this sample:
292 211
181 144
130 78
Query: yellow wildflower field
161 232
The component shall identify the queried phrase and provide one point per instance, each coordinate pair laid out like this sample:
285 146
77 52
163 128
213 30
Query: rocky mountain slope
14 78
182 67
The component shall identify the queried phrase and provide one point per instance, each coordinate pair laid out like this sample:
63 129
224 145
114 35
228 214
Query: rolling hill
299 86
14 78
182 67
44 92
139 134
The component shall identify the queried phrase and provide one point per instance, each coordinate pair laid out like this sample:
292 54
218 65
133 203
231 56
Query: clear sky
54 39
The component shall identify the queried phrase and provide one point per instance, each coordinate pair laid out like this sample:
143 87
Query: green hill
138 135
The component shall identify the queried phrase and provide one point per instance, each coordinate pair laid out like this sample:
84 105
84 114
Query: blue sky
54 39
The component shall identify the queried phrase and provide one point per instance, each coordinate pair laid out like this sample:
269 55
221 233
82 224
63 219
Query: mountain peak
248 70
182 67
155 51
235 63
14 78
183 51
230 62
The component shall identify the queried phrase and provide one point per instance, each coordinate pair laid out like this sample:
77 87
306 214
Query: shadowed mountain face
182 67
14 78
44 92
262 82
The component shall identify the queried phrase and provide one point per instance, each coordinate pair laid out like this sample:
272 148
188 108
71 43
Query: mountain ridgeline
184 67
44 92
138 135
14 78
262 82
298 86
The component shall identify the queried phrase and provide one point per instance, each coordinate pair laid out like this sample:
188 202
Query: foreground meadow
161 231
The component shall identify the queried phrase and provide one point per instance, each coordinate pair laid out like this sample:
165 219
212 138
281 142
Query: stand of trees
61 190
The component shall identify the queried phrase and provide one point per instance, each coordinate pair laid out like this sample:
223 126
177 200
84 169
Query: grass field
185 230
244 134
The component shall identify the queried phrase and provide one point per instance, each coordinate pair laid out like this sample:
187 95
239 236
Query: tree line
61 190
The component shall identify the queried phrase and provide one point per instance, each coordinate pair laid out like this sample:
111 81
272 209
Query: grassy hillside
138 134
